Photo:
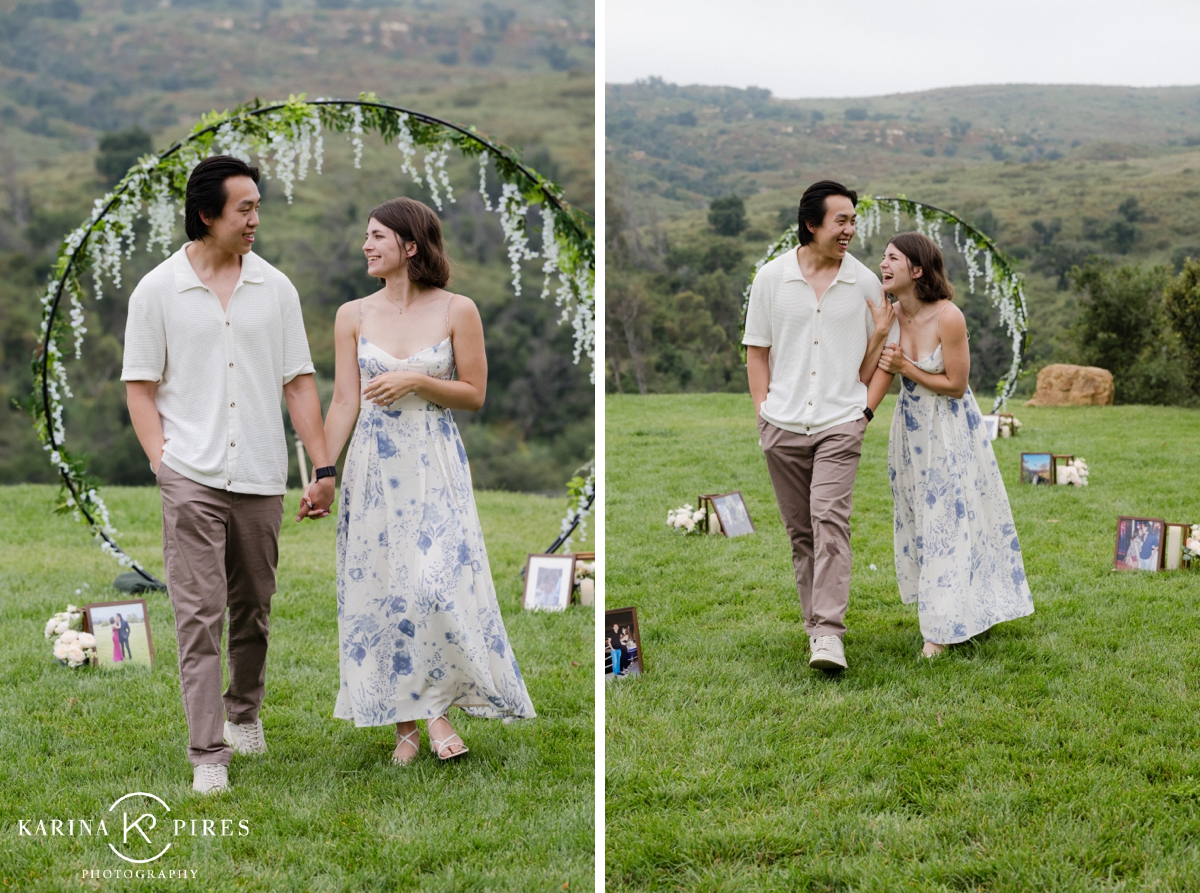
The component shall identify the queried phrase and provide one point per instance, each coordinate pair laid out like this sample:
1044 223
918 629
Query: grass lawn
325 808
1055 752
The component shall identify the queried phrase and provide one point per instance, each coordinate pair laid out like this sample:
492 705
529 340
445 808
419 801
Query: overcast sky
806 49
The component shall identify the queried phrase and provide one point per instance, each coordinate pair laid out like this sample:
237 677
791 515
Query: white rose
87 640
698 515
689 524
50 626
60 651
61 627
1194 545
70 637
75 655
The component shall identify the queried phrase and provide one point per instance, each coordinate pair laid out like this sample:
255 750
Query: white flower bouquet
1191 546
72 647
1074 472
688 520
1009 425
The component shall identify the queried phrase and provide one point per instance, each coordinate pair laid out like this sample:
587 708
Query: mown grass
325 808
1056 752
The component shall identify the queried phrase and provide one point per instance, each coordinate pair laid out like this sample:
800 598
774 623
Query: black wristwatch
326 471
867 412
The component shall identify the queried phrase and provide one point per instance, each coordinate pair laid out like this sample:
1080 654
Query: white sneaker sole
825 660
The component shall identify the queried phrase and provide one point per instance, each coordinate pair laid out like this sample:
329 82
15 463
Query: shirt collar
792 269
186 278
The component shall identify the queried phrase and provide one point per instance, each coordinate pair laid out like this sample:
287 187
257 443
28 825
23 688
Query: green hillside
520 72
1048 171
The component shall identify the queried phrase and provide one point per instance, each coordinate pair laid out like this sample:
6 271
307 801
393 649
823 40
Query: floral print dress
419 624
957 553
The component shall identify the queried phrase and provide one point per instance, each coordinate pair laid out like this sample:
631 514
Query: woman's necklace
399 308
911 317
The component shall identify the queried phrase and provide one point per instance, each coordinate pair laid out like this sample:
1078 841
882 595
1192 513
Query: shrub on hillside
1122 327
727 215
1181 304
118 152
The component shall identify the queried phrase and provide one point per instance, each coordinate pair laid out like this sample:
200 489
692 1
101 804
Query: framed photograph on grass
1139 544
122 631
621 645
1037 468
731 512
549 582
991 424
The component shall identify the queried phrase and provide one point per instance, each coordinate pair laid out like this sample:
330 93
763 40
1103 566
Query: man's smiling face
832 237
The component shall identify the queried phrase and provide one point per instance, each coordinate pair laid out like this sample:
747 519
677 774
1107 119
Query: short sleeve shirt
816 346
220 373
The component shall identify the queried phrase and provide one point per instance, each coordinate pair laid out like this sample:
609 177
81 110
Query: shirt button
226 323
232 405
231 365
814 373
231 443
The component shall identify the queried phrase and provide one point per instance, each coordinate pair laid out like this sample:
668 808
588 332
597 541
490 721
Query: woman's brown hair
923 252
415 222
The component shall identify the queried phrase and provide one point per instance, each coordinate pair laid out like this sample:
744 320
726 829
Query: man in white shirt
214 339
816 325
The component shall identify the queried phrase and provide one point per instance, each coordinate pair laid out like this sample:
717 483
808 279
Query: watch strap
867 412
326 471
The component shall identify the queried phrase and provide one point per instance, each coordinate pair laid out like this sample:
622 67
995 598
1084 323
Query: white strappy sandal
438 747
413 738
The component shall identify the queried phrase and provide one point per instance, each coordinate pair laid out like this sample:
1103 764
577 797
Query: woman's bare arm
343 409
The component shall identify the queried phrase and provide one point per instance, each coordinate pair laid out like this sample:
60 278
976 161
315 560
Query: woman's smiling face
896 271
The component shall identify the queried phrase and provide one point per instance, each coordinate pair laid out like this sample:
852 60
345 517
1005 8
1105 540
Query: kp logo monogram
139 826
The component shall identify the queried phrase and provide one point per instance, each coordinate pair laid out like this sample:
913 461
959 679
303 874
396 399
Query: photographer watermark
139 829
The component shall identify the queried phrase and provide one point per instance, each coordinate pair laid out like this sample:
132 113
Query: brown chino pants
220 550
813 476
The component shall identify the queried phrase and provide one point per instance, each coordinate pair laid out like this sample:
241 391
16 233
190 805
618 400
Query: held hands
317 498
884 313
385 389
892 360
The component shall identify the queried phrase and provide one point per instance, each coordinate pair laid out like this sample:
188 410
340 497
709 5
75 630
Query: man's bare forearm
147 423
304 406
870 363
758 372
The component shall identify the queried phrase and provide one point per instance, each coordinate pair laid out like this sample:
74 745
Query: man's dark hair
812 205
206 193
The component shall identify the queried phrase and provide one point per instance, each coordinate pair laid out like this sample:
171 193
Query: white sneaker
828 653
210 778
246 738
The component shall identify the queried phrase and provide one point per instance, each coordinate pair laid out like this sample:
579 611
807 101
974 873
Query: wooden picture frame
731 512
1037 468
1135 536
549 582
630 661
1055 463
132 643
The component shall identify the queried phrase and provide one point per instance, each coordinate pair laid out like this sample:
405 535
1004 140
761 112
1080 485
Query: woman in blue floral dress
956 547
419 624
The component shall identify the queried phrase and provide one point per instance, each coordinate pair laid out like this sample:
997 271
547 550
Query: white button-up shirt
816 346
220 373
